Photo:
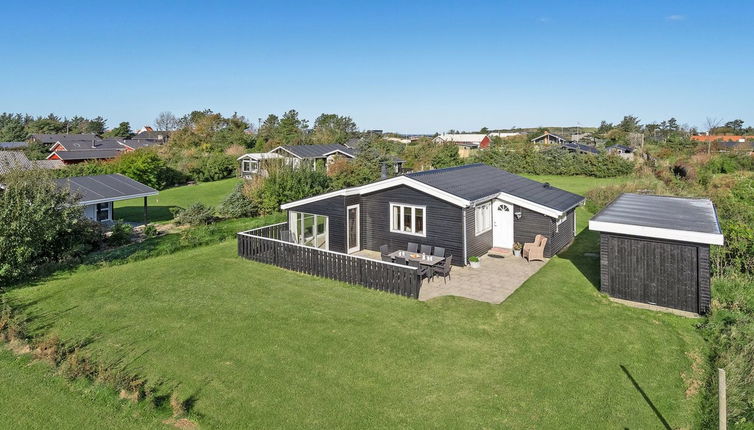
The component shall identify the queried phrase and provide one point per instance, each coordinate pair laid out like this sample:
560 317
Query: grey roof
136 144
88 154
56 137
13 145
80 145
623 148
673 213
317 151
102 188
549 134
580 147
10 160
152 135
475 181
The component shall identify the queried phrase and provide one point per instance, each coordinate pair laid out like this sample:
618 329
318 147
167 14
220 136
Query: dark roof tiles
105 187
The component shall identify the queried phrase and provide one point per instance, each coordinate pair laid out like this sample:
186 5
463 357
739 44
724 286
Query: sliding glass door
309 229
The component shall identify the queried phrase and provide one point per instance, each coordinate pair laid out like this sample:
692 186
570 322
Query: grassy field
209 193
264 347
34 397
578 184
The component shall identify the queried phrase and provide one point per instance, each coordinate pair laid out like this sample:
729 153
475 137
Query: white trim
358 229
536 207
338 150
115 199
403 207
381 185
280 147
477 232
657 233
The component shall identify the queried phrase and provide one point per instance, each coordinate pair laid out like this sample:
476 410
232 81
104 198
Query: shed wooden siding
476 246
662 272
444 221
335 209
533 223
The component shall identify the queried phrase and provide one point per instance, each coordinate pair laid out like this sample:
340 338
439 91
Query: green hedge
555 162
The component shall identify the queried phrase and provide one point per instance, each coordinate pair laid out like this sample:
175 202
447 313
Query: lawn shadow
584 255
636 385
136 213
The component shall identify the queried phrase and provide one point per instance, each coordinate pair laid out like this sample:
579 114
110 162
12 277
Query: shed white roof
462 137
259 156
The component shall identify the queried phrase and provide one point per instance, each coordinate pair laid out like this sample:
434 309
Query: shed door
654 272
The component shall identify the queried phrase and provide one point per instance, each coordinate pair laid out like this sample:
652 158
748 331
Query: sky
403 66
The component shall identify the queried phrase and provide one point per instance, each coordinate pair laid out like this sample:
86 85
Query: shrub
285 184
237 205
40 225
196 214
120 234
598 198
150 230
146 167
213 167
555 161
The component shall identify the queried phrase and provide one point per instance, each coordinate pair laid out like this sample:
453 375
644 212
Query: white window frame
249 163
403 208
559 221
108 208
297 228
480 228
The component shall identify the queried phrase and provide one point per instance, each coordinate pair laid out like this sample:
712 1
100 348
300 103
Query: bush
196 214
120 234
555 162
150 230
213 167
146 167
40 225
598 198
237 205
285 184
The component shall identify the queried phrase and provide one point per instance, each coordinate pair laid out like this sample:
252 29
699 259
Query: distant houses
77 148
468 143
550 139
11 160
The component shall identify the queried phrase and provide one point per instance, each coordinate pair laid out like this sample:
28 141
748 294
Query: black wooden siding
662 272
444 222
335 209
476 246
533 223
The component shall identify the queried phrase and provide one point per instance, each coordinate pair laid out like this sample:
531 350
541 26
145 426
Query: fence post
722 399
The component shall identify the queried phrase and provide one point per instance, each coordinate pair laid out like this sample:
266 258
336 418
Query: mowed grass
258 346
578 184
209 193
33 397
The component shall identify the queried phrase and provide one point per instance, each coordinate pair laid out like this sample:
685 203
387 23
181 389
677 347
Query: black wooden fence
264 245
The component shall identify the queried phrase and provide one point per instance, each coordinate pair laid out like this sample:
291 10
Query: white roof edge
381 185
281 147
115 199
657 233
338 150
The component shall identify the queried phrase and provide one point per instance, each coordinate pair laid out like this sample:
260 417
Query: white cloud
676 17
544 19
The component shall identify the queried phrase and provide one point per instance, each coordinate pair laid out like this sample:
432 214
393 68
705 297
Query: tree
50 124
291 129
446 155
40 224
122 130
605 127
484 130
630 124
712 124
331 128
166 121
96 125
12 131
268 129
736 126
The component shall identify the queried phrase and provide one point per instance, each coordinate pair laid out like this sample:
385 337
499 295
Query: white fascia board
553 213
337 150
381 185
657 233
280 147
115 199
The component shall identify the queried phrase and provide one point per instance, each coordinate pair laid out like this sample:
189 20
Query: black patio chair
426 249
387 258
422 271
444 269
438 251
412 247
384 250
400 260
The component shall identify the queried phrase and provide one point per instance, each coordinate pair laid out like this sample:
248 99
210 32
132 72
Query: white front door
502 224
353 233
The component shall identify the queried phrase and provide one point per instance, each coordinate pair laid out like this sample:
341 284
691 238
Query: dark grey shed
655 249
97 193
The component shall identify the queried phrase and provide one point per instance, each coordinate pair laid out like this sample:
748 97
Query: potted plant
517 249
474 262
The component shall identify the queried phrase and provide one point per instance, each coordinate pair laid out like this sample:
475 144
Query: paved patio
497 278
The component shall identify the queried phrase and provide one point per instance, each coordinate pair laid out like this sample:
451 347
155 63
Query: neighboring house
133 145
13 145
10 160
77 151
467 210
97 193
468 143
579 148
721 138
746 147
148 135
621 150
51 139
549 139
504 134
314 156
90 144
656 250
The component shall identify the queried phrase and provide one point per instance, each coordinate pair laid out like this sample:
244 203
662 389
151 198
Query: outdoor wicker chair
535 250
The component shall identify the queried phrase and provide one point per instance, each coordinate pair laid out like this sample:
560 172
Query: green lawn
33 397
258 346
209 193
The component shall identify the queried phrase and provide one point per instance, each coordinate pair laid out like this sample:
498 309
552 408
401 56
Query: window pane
407 219
308 229
419 220
321 232
397 218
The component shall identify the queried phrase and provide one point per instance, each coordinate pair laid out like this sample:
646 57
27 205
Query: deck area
498 277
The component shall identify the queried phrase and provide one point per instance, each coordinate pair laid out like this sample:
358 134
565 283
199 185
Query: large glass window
103 211
408 219
483 218
249 166
309 229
